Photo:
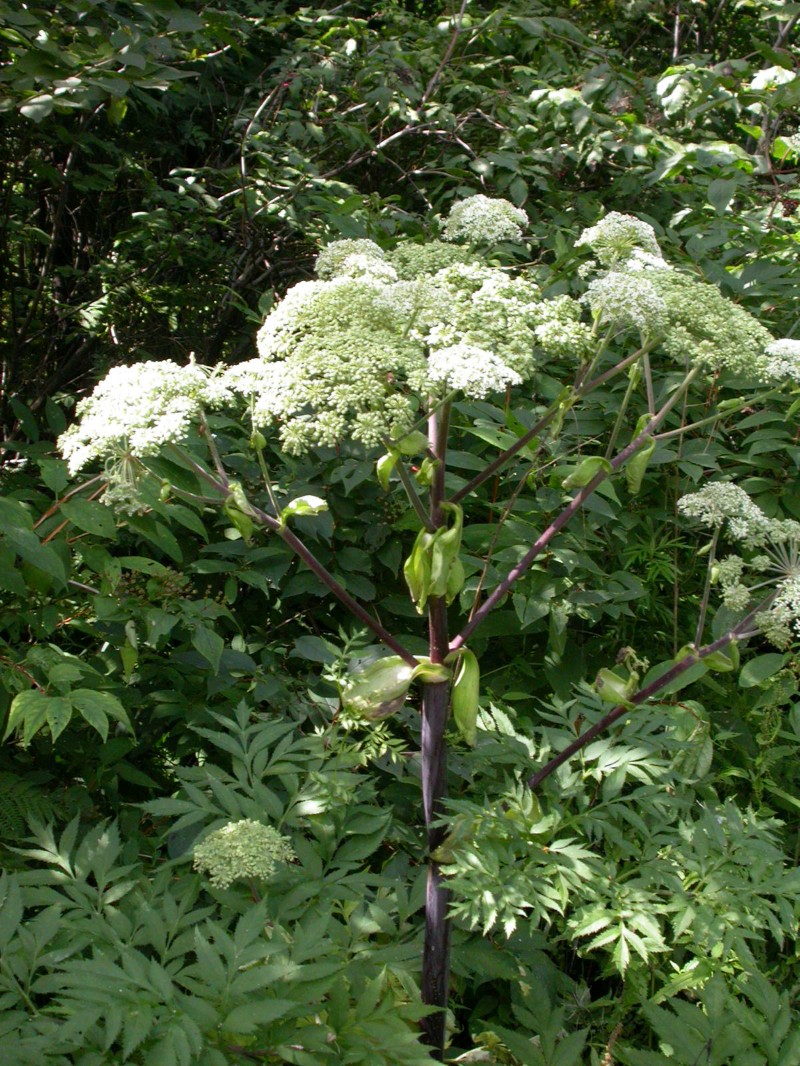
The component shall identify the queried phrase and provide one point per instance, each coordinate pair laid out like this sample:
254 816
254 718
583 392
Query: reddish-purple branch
325 576
741 629
544 421
569 512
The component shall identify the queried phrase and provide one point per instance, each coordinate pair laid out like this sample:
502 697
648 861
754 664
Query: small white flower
616 237
137 409
624 300
331 259
723 502
709 330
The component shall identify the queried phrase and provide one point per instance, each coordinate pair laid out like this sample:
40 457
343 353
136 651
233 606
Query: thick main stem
435 701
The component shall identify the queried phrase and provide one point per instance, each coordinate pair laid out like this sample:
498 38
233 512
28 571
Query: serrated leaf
59 713
28 705
247 1018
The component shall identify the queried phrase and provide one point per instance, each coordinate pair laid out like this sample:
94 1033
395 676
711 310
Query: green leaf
247 1018
636 466
28 709
116 110
303 506
384 468
29 548
38 107
59 713
97 707
54 474
720 193
91 517
210 645
760 669
12 513
465 696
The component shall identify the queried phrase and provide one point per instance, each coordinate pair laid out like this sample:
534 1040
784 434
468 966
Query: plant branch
544 421
413 496
701 620
739 631
299 548
446 57
569 512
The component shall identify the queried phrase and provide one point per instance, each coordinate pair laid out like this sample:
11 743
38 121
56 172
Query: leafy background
168 171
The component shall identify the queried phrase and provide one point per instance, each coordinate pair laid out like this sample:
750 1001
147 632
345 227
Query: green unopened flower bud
434 567
587 471
379 689
611 688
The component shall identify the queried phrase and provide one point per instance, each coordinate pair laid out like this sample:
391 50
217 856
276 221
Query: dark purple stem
435 701
569 512
327 578
741 629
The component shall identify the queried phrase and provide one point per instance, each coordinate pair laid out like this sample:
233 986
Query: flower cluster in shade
689 319
769 568
481 220
241 851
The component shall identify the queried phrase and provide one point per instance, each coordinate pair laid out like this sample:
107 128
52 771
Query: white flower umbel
241 851
474 371
709 330
773 572
624 300
723 502
481 220
506 315
137 409
784 359
331 259
412 260
359 265
333 353
617 238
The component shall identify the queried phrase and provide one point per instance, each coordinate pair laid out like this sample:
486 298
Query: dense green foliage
169 171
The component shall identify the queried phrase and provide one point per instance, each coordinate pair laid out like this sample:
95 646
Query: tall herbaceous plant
390 350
